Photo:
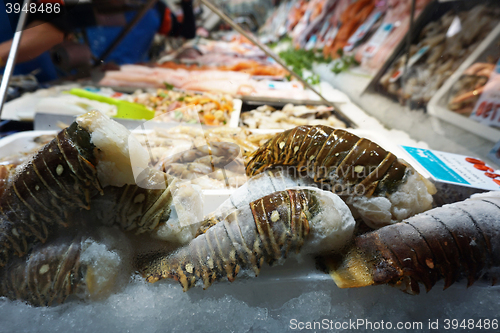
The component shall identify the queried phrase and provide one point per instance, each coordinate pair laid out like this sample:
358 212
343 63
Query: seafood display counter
438 133
93 228
219 215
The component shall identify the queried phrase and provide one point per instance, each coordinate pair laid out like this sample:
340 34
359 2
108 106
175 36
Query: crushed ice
269 303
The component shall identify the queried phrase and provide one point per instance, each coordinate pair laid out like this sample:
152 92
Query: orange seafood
351 19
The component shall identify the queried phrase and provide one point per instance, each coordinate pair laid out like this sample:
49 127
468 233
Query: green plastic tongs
126 110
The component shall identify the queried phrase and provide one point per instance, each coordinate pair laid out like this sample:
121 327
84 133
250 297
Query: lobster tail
35 204
359 169
47 277
332 155
89 267
266 230
263 232
450 242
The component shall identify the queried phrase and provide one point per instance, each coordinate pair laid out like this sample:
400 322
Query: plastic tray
437 105
23 108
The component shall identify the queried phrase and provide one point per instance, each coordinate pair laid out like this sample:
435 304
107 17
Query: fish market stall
211 189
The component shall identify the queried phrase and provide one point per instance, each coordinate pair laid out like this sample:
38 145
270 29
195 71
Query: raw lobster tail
380 187
334 156
256 187
6 172
61 175
48 276
447 243
273 226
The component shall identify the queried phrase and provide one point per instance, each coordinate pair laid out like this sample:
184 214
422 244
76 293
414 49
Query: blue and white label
310 44
452 168
435 165
378 39
362 31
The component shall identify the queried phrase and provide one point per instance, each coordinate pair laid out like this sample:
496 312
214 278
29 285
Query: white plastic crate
437 105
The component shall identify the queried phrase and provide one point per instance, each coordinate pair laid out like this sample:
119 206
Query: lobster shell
278 224
337 157
449 242
61 177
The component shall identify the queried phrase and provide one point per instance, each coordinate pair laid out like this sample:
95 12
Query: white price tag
456 169
487 109
310 44
362 31
378 39
397 74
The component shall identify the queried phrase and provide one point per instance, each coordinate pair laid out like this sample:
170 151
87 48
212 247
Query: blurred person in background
99 27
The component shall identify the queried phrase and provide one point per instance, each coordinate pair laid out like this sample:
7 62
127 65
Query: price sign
411 62
378 39
487 108
362 31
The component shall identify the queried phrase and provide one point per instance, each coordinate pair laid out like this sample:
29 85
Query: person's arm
34 41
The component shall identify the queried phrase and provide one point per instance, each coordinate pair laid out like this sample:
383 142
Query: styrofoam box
437 105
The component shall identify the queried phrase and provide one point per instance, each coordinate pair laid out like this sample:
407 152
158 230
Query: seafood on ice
93 175
77 171
455 241
256 187
61 177
81 266
232 64
212 158
381 188
354 15
373 53
215 81
438 54
465 93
